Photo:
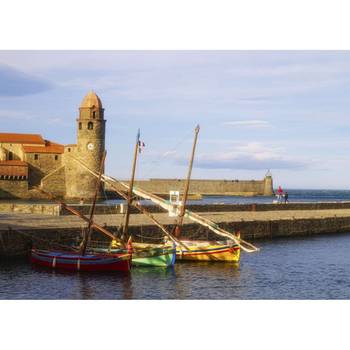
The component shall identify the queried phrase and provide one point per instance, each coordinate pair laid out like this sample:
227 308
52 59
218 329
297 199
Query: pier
20 230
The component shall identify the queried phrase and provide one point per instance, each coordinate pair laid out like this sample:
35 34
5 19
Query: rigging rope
245 246
155 163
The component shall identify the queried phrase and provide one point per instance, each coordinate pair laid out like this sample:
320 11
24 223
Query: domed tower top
91 107
91 100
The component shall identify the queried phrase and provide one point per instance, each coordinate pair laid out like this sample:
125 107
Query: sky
283 111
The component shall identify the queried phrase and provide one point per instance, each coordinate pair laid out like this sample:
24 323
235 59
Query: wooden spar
87 233
136 205
80 215
177 229
130 192
160 201
192 216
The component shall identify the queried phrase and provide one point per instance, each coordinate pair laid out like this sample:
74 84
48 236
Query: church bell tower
89 149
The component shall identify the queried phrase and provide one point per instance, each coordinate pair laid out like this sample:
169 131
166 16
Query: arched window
80 126
94 114
10 155
90 125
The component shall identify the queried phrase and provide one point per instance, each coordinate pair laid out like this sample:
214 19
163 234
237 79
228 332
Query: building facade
27 161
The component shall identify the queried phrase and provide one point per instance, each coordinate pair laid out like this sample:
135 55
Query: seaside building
28 161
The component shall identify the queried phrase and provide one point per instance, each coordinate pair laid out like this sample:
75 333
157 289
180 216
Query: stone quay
46 225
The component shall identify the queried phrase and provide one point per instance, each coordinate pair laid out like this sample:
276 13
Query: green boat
147 254
153 255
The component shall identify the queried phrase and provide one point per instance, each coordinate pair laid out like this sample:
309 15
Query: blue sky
287 111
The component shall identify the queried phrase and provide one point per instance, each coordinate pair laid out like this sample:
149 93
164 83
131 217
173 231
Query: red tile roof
34 139
13 168
50 147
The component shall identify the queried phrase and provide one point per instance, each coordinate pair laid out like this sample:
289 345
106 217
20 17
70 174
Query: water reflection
304 268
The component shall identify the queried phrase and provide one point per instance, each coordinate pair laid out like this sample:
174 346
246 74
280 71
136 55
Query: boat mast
131 186
124 194
178 226
87 234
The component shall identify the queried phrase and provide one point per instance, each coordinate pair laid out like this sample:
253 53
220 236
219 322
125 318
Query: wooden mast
131 186
87 233
80 215
136 205
178 226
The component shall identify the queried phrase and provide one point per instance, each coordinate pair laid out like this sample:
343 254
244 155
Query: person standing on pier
279 194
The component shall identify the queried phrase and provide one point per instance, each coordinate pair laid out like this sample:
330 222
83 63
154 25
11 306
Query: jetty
22 225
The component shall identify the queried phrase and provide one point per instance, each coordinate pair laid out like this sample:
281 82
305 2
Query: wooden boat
229 250
153 255
144 254
208 251
147 254
79 259
77 262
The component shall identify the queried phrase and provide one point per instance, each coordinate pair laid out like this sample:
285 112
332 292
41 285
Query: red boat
77 262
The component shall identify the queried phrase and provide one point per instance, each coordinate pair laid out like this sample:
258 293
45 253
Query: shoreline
19 231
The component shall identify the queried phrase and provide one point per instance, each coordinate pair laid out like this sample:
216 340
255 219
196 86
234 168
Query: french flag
141 146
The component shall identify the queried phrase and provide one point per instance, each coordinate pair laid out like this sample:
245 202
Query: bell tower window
94 114
90 125
80 126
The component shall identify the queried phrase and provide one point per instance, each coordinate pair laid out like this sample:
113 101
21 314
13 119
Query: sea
312 267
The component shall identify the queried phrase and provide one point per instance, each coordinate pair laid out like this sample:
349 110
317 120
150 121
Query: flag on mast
141 144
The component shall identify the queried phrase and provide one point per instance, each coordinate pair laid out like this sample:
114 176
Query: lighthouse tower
89 148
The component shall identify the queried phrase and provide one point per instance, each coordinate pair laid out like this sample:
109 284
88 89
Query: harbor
285 268
24 225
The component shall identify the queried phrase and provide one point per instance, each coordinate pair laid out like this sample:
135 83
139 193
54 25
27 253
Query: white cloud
249 156
249 123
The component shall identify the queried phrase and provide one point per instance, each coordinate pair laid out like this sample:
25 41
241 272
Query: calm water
298 268
294 196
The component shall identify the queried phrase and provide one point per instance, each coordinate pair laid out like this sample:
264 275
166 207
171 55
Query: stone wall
89 149
55 182
18 243
103 209
42 166
210 187
14 189
15 148
44 209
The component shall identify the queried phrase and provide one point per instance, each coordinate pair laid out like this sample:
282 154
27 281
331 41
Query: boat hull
208 251
159 259
76 262
148 255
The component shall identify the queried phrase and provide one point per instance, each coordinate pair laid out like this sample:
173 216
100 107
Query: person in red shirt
279 194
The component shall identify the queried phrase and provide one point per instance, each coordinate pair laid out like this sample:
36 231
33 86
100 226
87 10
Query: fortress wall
208 187
55 182
44 165
14 189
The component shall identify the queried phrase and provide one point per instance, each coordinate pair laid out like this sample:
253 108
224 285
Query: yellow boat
208 251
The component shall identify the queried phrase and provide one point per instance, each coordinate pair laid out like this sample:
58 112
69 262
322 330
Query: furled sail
166 205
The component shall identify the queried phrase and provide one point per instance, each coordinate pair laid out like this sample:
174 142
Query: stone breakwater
18 231
104 209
